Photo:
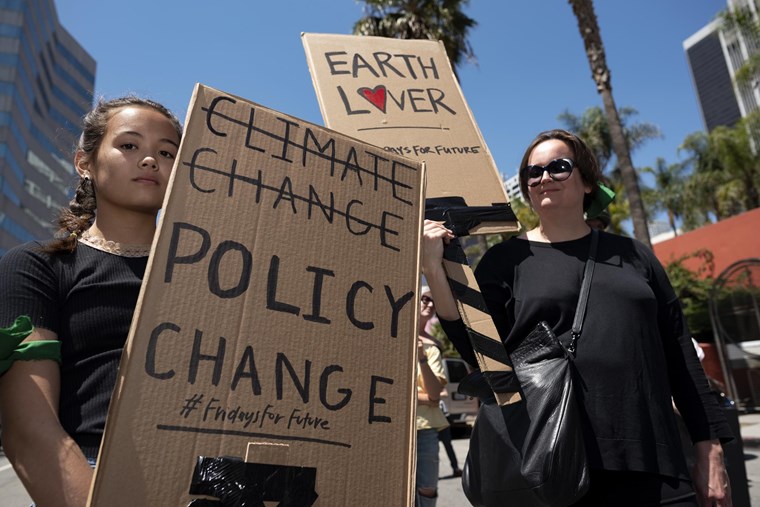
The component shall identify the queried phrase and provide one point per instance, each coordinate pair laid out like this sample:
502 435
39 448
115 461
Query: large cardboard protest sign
402 95
272 353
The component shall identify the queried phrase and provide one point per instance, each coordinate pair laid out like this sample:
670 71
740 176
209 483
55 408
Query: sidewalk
750 429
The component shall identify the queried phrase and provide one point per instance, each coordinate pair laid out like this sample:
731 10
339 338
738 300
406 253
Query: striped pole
489 350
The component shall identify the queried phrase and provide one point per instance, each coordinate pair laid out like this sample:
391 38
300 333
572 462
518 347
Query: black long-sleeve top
634 353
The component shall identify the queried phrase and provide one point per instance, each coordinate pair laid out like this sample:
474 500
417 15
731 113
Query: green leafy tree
592 127
733 149
743 21
693 290
724 177
592 41
448 348
706 175
667 194
525 215
421 19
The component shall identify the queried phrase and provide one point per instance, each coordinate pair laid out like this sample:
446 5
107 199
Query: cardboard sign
402 95
272 352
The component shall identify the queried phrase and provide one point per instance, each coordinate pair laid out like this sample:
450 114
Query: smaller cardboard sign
402 95
272 351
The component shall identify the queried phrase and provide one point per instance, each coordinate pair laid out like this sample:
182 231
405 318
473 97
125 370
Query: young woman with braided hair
68 302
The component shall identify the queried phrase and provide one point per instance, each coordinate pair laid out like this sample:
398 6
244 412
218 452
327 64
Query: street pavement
450 488
450 493
12 493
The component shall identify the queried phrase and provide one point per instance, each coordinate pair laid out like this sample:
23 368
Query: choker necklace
112 247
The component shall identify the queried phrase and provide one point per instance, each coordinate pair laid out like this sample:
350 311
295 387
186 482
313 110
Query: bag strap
588 273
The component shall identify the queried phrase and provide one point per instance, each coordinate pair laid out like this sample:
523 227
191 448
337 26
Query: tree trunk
753 199
592 41
672 222
627 172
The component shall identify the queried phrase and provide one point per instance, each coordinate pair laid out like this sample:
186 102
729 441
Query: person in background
68 302
431 378
444 436
635 351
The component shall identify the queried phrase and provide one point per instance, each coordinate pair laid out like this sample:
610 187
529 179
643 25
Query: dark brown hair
583 158
80 213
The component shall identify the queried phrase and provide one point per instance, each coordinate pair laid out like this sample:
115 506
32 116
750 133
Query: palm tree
733 149
421 19
593 128
668 192
725 173
592 40
706 175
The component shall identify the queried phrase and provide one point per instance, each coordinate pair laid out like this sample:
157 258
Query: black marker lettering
214 270
212 111
376 400
173 258
272 303
196 357
351 305
302 388
150 356
334 64
324 379
247 369
316 298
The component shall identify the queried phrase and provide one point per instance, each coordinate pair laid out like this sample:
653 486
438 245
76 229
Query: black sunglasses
425 300
558 169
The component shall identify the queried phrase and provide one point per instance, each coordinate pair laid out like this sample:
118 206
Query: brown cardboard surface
277 319
402 95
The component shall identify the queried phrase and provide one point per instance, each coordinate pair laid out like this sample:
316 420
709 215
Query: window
16 230
10 194
7 30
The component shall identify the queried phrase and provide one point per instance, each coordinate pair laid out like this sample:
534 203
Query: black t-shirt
634 353
87 298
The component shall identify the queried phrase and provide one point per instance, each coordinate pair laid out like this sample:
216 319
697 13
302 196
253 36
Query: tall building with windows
46 86
714 55
512 186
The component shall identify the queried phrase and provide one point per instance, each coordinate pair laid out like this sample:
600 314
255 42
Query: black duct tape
460 218
454 252
502 381
239 484
489 347
468 296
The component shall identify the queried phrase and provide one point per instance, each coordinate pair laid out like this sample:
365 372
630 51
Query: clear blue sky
531 61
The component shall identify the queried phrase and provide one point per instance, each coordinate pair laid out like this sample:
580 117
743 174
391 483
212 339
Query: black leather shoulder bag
532 453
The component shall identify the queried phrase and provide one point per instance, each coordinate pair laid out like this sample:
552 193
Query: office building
714 55
512 186
46 86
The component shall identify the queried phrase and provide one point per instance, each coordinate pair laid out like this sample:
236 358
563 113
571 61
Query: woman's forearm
46 459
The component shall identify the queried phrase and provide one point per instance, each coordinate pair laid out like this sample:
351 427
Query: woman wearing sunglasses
635 352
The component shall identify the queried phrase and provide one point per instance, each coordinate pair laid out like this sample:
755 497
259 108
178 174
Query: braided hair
79 215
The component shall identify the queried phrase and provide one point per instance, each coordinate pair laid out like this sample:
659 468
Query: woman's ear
82 164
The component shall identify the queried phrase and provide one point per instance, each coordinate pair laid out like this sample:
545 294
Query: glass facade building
714 55
46 86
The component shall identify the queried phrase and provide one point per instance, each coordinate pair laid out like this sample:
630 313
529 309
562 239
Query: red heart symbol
375 95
